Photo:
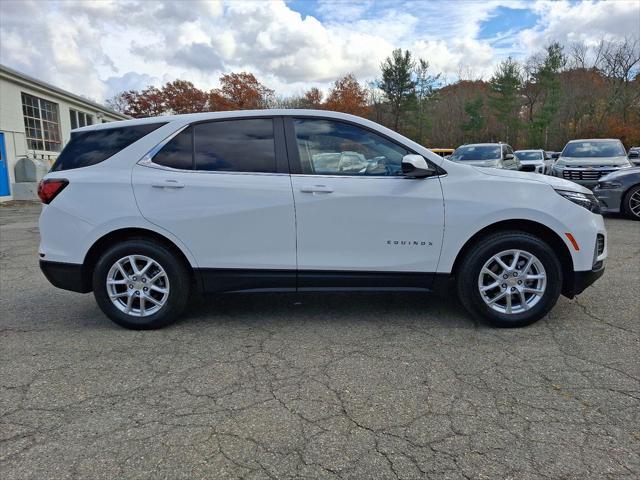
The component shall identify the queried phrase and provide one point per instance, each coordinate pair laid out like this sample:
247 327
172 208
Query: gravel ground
316 386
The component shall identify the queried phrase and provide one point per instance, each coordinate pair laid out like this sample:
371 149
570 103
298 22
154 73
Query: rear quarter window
95 146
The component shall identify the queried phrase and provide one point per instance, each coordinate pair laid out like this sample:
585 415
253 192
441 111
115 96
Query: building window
80 119
41 123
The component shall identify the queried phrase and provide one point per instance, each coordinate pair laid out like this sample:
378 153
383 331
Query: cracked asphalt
330 386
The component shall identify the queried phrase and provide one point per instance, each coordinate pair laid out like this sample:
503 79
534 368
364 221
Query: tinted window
335 148
235 146
178 152
476 152
594 149
95 146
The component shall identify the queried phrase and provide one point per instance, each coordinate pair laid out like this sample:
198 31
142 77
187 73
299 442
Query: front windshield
476 152
529 156
594 149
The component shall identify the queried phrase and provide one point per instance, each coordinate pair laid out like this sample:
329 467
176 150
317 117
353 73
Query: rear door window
243 145
95 146
178 152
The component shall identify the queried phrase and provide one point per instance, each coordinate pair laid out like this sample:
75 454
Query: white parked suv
143 212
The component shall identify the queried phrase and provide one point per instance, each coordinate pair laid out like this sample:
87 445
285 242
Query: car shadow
339 307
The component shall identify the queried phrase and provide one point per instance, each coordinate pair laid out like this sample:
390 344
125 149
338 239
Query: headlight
609 185
585 200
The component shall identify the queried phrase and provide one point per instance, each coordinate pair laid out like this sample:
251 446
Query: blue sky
100 48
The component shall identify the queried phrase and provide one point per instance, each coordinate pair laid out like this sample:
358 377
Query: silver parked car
619 192
585 161
634 155
495 155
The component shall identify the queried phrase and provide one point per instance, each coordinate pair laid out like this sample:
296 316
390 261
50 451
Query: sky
100 48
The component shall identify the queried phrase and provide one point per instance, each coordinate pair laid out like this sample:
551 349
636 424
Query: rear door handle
317 189
167 184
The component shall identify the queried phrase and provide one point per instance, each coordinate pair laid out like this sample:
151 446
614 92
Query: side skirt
251 280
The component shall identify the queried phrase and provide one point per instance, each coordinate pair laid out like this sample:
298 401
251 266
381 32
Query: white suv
143 212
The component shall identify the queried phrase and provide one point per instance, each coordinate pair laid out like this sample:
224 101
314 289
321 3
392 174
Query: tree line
561 93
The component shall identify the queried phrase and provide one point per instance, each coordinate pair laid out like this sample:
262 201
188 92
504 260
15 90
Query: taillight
49 188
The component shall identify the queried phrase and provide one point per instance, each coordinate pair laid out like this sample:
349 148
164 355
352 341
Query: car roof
531 150
495 144
595 140
198 117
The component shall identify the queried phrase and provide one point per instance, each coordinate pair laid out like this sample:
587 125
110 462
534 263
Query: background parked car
585 161
495 155
535 160
443 152
634 155
619 192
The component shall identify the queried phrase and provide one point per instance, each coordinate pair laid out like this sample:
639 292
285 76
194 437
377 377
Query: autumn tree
505 99
397 82
241 91
348 96
312 99
149 102
181 96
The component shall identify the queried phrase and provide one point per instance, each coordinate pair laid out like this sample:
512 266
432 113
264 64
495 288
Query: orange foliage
348 96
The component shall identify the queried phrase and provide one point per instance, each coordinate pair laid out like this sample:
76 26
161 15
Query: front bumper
67 276
610 199
582 280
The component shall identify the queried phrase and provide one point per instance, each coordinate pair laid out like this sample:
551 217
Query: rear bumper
68 276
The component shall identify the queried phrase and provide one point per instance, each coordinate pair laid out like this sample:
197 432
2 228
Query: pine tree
546 78
396 83
505 100
475 124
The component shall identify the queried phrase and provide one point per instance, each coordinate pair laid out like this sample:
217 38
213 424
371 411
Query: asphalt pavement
358 386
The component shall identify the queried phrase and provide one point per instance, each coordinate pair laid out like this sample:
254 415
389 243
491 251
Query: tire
629 202
545 269
166 280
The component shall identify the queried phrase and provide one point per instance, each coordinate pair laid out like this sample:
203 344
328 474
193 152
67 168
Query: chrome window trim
368 177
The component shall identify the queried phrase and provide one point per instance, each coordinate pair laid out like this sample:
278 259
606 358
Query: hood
554 182
591 161
480 163
623 172
538 161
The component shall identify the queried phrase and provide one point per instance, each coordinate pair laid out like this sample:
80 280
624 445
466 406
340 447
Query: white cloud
99 48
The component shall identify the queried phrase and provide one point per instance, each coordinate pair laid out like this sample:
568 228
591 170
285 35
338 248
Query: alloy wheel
634 204
512 281
138 285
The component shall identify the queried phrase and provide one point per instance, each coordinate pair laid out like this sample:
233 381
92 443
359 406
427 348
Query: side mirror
415 166
509 156
555 155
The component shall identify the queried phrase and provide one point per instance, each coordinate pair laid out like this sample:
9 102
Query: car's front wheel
140 284
631 202
510 279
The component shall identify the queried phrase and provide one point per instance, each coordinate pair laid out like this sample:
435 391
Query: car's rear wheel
140 284
631 202
510 279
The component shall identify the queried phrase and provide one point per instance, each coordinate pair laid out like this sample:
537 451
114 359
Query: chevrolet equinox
144 212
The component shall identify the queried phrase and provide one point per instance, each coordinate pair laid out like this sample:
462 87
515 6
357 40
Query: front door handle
168 184
317 189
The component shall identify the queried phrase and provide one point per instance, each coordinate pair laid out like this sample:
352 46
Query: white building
36 120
